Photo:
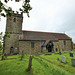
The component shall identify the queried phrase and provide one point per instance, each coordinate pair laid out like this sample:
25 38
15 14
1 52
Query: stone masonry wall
12 42
14 27
67 46
56 46
26 47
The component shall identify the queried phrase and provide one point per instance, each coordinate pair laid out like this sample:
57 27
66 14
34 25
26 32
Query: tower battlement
17 14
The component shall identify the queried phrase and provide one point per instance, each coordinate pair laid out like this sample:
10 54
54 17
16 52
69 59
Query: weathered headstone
59 53
69 51
57 58
73 61
71 54
63 59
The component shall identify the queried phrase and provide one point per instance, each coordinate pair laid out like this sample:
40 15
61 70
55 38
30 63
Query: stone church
32 41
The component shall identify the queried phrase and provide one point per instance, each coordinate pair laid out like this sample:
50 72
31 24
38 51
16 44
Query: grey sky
48 16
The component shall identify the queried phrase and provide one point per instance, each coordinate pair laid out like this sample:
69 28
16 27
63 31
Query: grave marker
59 53
73 61
69 51
63 59
71 54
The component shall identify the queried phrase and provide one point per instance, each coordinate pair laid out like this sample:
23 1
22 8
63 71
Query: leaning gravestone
63 59
73 61
30 63
71 54
59 53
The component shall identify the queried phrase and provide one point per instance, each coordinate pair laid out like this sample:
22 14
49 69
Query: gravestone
59 53
30 63
69 51
63 59
73 61
57 58
71 54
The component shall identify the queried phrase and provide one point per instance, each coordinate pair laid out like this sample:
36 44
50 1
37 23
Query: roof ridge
42 32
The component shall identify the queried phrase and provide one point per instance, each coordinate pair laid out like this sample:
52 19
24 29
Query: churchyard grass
0 52
14 66
66 66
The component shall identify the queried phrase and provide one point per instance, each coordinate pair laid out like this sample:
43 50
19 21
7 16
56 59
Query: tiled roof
36 35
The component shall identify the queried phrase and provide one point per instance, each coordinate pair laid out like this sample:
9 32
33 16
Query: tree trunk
30 63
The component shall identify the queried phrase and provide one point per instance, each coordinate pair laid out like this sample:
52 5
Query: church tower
14 27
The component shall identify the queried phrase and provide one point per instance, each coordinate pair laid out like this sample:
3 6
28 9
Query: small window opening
32 44
64 42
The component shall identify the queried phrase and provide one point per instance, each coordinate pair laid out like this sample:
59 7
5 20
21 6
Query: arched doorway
11 50
49 46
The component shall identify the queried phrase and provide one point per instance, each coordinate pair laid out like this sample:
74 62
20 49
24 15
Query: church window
32 44
14 20
56 49
64 42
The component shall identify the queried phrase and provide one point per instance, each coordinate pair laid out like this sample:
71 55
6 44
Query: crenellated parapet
17 14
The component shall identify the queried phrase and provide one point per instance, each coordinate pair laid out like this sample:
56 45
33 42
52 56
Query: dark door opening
12 50
56 49
49 46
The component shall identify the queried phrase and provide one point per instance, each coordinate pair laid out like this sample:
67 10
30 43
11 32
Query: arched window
11 49
56 49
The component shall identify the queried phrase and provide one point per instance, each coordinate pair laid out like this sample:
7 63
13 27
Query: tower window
14 20
32 44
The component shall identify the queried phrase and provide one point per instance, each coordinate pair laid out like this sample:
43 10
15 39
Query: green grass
66 66
15 66
39 67
47 68
0 52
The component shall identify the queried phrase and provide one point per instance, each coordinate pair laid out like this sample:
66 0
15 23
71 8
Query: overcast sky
48 16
